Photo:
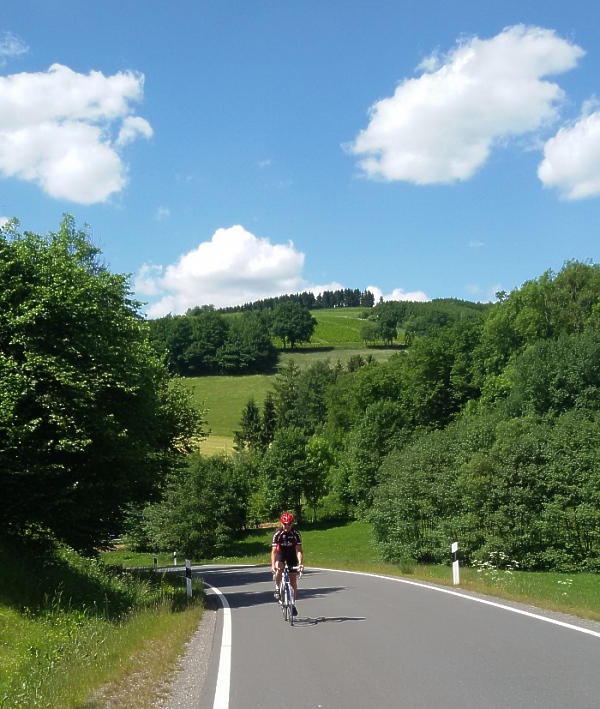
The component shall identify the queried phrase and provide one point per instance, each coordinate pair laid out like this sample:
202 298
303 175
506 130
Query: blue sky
226 151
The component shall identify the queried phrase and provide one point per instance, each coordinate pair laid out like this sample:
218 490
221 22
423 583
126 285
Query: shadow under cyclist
286 550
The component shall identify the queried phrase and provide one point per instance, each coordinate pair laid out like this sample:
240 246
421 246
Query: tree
283 471
201 509
268 420
387 329
90 419
369 332
209 333
292 323
250 435
249 348
286 386
319 459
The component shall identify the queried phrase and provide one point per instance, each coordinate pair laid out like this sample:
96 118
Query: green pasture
338 325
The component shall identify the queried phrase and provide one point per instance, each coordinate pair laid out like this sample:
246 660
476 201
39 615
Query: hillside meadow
336 338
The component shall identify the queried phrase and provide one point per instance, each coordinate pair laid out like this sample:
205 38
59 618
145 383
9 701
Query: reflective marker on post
455 571
188 577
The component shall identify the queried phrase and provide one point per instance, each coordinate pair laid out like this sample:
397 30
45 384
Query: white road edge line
570 626
224 674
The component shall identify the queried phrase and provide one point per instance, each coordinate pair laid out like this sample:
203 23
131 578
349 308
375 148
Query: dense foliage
202 506
90 420
516 474
204 342
485 431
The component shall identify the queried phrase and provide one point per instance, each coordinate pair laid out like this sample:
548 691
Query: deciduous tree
89 417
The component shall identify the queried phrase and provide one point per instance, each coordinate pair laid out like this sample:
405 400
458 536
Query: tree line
342 298
485 430
205 342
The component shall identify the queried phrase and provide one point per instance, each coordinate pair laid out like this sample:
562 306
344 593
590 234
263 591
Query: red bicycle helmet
287 518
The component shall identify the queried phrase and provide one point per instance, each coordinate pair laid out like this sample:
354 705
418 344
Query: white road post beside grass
455 570
188 577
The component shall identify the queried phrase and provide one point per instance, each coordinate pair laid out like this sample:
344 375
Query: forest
484 428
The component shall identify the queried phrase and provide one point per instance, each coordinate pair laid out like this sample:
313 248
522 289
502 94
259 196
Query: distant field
336 338
339 325
225 398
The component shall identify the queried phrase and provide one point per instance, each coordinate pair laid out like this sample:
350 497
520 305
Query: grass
338 326
225 398
78 634
350 546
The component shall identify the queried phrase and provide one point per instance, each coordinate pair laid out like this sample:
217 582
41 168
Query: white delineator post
174 558
455 571
188 577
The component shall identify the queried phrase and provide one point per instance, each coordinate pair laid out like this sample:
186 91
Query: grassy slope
336 338
75 635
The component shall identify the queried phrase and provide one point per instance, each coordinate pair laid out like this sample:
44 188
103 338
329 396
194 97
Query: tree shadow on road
246 599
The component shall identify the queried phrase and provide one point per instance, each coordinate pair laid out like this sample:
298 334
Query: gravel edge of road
188 679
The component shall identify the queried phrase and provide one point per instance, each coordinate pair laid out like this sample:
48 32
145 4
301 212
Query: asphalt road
361 641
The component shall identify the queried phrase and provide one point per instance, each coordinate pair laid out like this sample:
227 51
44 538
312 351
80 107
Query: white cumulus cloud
233 268
441 126
571 161
56 126
397 294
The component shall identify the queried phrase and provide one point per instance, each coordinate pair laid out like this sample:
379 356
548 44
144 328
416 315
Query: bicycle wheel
284 603
286 610
290 606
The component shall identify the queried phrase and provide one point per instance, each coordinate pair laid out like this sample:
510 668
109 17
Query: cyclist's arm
300 554
273 552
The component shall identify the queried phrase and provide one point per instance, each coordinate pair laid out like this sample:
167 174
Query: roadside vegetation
351 546
77 633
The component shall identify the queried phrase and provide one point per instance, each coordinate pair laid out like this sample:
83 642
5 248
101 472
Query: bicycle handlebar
299 569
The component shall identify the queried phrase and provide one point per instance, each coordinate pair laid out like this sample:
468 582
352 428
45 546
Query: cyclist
286 549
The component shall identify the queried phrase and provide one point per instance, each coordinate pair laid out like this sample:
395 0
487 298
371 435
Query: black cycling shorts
289 558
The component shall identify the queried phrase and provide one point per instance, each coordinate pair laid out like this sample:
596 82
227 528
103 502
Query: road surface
366 641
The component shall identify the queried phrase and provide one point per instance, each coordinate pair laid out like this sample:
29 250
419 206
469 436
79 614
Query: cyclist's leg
278 574
294 584
292 561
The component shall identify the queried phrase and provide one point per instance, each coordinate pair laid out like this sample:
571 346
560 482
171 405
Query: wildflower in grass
567 583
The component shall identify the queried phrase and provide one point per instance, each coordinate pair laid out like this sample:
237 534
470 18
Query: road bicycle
286 597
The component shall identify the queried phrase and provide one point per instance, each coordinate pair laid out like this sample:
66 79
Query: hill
336 338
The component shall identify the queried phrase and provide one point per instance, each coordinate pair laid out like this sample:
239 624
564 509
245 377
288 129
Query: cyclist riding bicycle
286 550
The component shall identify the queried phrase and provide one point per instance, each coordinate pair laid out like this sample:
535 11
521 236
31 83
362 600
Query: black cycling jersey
285 544
283 541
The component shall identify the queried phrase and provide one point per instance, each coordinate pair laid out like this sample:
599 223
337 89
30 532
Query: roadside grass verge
350 546
76 634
